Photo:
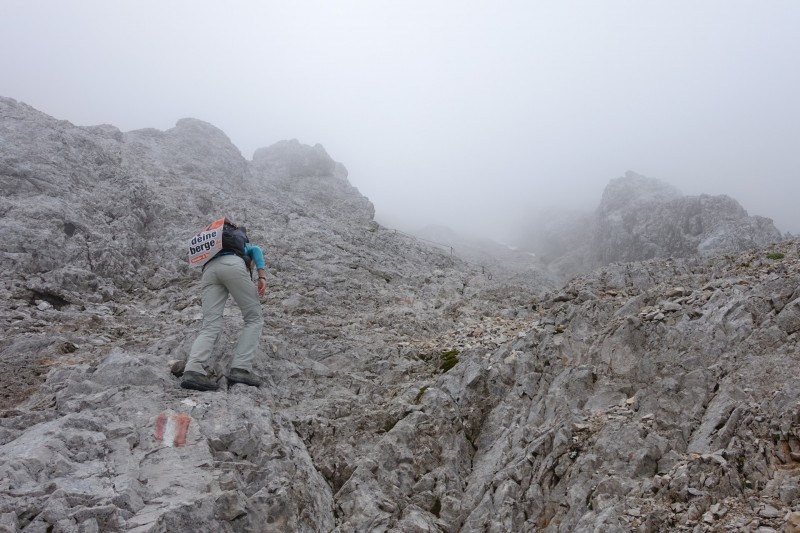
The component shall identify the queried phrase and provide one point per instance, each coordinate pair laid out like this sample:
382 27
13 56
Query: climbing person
227 272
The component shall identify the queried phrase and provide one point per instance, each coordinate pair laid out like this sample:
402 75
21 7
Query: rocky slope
407 391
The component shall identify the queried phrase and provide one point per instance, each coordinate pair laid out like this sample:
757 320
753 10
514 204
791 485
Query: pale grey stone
9 522
769 511
789 317
89 526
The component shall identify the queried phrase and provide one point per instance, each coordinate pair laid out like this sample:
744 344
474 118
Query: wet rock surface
405 390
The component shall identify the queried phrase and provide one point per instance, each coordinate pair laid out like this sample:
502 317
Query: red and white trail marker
172 429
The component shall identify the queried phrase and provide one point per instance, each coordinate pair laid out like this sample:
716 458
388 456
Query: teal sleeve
255 253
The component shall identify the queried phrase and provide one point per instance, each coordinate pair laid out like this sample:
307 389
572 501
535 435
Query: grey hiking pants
222 276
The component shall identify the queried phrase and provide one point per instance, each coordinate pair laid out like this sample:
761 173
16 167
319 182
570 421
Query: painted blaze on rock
172 429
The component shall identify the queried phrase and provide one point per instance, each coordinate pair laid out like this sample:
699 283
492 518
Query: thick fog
464 113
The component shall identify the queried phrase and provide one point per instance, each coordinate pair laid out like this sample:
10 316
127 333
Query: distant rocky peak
312 178
287 160
641 218
196 129
633 190
188 132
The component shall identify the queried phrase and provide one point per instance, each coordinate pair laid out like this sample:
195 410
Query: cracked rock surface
406 391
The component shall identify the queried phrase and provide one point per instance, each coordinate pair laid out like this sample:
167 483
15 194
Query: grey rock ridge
642 218
406 390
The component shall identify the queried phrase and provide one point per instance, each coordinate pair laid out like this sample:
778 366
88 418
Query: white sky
464 113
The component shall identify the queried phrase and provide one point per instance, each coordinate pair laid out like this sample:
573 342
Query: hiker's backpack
234 239
219 236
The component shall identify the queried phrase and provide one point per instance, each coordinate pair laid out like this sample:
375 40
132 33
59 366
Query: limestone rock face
634 191
288 160
405 390
642 218
312 177
192 149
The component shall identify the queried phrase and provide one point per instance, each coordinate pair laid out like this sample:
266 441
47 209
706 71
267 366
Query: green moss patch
448 360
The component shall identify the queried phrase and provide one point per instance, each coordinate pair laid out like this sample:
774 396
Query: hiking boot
239 375
197 381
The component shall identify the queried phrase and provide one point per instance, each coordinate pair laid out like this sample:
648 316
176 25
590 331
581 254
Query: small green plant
775 255
449 360
559 329
420 393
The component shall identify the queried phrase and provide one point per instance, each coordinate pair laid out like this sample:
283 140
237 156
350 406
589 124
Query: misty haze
470 116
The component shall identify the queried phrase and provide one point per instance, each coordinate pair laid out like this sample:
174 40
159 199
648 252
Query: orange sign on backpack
206 244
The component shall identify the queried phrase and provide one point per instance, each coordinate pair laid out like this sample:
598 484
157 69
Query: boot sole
234 381
195 386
